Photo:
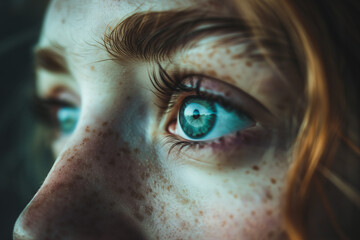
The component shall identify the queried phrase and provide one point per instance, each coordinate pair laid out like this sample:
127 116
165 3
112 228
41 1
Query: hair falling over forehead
315 30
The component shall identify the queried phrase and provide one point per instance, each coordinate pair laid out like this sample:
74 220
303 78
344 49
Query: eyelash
168 89
45 109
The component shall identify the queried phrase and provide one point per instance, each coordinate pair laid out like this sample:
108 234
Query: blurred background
20 177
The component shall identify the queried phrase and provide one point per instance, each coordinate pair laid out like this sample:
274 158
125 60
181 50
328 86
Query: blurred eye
201 119
67 118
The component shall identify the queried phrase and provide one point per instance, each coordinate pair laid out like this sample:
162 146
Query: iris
67 119
197 116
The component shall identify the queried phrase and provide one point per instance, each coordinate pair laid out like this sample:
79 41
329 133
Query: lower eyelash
179 145
254 136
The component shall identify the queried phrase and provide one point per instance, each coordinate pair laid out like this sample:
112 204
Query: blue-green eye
202 119
67 119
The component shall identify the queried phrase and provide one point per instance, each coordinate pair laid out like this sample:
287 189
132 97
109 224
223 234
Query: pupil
196 114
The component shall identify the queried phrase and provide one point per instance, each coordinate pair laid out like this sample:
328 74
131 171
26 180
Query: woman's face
189 144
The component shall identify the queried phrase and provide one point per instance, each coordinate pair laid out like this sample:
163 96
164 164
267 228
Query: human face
118 173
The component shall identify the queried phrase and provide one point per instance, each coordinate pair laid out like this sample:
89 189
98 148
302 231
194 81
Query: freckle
92 68
248 63
87 129
63 21
227 51
256 168
211 54
212 73
247 172
253 213
185 201
273 181
105 123
201 213
148 210
235 196
238 76
252 185
269 212
231 216
196 220
208 65
226 180
269 195
223 223
230 192
199 55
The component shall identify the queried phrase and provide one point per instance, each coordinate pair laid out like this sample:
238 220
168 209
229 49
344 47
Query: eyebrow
50 59
156 36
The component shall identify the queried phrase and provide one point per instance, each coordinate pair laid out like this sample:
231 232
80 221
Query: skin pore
117 175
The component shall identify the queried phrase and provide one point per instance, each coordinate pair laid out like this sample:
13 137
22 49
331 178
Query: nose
76 200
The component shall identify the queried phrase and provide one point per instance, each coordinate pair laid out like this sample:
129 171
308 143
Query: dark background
20 23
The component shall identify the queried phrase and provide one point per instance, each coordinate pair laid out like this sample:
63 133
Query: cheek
221 205
170 201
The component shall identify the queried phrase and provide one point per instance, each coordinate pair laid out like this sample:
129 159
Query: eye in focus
202 119
197 117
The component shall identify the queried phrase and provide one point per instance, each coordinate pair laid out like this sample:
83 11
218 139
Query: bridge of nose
95 187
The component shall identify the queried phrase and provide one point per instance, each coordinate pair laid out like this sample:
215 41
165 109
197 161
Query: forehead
69 22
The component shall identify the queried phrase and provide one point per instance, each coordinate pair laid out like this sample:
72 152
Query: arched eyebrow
155 36
51 59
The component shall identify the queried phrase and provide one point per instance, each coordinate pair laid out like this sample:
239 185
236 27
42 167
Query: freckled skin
113 177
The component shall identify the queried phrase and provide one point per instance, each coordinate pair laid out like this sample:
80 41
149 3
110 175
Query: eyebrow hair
51 60
155 36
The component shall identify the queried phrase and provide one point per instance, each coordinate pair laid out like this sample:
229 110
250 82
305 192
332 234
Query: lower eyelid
231 149
253 136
